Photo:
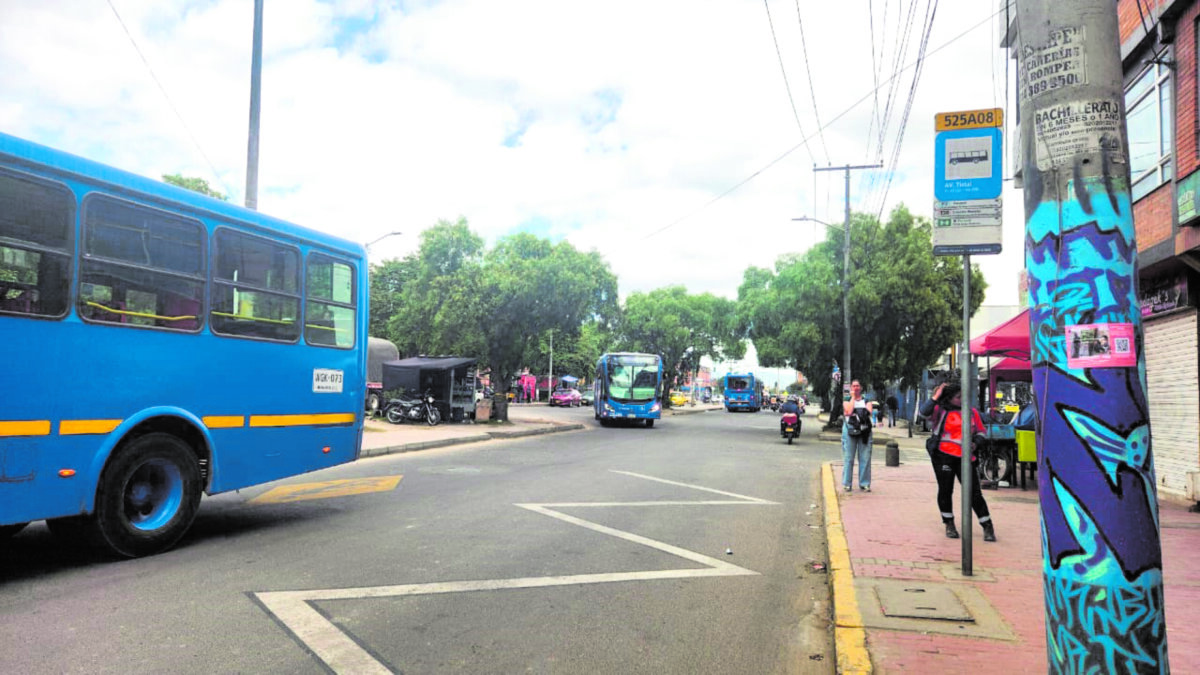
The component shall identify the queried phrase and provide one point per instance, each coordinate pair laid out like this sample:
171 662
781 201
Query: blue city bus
628 387
742 392
160 344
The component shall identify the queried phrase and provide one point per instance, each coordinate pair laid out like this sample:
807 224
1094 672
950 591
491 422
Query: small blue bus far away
628 387
742 392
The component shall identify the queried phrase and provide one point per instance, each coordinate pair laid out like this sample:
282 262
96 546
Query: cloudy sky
659 132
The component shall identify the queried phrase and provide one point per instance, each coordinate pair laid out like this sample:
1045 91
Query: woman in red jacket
945 411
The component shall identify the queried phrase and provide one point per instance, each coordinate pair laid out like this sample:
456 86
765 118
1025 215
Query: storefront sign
1162 295
1101 345
1186 197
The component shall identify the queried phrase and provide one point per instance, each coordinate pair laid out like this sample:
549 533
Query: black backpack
858 423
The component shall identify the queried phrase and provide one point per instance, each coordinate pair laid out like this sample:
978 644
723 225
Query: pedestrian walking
944 411
892 406
856 439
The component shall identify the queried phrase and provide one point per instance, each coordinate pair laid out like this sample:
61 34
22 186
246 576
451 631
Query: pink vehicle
566 397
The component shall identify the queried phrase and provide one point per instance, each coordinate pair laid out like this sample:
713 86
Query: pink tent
1010 338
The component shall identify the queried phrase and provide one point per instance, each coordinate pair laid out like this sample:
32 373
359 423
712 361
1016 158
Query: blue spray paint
1102 556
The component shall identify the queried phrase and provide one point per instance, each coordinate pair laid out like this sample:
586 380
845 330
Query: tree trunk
500 406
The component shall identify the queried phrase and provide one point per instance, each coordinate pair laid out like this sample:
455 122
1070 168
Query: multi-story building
1159 42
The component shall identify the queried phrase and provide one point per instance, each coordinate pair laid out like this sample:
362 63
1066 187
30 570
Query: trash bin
483 410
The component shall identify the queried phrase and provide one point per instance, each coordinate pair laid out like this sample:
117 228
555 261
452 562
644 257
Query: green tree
905 304
388 281
681 328
534 286
434 298
573 355
194 184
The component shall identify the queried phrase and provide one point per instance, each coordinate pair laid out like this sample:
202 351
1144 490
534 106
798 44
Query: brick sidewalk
898 552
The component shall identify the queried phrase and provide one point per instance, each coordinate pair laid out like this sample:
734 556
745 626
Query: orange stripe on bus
301 420
25 428
224 421
78 427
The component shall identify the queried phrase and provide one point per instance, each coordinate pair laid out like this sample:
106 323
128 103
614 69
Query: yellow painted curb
849 635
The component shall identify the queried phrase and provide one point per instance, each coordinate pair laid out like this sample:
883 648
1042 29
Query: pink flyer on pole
1101 345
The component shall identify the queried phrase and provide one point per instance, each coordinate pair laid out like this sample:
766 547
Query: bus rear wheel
148 496
7 531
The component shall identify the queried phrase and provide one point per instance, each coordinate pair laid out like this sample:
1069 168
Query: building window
1148 117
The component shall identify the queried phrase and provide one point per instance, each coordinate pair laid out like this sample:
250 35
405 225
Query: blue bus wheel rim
153 495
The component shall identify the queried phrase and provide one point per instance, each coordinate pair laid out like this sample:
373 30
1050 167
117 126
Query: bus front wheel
148 496
649 424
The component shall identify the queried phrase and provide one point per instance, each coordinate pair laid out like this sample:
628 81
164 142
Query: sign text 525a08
970 119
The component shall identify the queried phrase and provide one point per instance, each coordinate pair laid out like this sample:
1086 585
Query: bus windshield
633 378
738 383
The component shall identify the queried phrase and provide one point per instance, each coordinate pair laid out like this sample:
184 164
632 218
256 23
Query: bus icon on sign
969 157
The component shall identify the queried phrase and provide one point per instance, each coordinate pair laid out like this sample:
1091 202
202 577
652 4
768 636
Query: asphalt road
685 548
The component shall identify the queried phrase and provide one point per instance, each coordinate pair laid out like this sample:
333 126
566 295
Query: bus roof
44 158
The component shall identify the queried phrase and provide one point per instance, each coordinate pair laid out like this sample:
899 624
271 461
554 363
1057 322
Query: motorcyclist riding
792 405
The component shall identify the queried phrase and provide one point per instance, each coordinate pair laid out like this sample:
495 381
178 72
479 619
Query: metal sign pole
965 365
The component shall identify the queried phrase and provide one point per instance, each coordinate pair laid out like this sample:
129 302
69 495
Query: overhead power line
812 92
788 86
803 142
216 174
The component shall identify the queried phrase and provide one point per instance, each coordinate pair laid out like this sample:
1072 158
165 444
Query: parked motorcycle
413 410
789 426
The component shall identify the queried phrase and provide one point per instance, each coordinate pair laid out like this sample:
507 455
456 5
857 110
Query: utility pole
1103 554
846 270
550 382
255 106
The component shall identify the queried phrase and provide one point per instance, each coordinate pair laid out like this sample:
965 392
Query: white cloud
603 123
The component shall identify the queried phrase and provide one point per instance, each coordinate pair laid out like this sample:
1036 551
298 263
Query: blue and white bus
742 392
628 387
160 344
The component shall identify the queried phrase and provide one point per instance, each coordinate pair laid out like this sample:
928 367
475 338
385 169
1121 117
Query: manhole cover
914 601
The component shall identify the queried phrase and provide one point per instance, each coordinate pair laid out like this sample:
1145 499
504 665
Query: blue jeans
860 447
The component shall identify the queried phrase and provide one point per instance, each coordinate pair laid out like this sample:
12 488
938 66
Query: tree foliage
905 304
194 184
453 296
533 287
681 328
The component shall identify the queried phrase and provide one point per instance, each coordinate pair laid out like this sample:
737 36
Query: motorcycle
400 409
789 426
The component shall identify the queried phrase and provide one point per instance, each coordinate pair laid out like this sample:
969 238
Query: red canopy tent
1010 341
1010 338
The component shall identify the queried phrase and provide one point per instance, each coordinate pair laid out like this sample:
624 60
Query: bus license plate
630 415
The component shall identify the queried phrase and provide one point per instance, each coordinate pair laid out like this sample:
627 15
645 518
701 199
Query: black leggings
947 468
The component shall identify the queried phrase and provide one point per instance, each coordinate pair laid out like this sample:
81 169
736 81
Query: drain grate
917 601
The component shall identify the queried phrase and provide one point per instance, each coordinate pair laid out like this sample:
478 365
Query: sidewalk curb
522 433
424 445
463 440
849 634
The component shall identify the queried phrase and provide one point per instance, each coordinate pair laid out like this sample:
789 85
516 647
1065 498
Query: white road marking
294 609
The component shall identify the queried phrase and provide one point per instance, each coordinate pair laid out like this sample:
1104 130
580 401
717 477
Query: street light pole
379 239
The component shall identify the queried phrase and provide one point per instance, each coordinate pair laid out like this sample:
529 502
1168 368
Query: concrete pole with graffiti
1102 555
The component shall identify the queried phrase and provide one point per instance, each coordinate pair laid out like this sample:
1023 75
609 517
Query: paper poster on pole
1101 345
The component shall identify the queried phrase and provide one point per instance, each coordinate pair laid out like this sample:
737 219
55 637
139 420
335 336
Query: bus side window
37 241
329 316
256 287
141 267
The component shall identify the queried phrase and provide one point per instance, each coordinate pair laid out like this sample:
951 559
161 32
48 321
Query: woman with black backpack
944 411
856 439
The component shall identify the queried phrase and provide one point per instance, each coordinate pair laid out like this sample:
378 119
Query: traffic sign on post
968 181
